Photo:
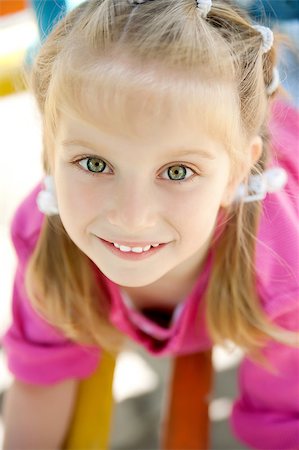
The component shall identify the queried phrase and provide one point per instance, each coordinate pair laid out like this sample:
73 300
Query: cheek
197 212
194 215
204 200
78 201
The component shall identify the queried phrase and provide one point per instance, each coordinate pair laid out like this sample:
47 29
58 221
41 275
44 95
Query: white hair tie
46 199
272 180
204 7
268 37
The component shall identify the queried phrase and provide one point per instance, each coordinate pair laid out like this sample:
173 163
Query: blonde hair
114 50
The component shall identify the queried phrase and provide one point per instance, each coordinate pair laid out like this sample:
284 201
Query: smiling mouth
136 248
132 252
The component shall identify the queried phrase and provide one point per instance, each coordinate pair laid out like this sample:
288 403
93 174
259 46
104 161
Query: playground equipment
185 426
16 54
90 427
11 7
11 55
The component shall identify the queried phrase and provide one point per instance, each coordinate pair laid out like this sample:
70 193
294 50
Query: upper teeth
124 248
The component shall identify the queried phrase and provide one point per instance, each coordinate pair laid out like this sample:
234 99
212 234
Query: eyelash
82 168
89 172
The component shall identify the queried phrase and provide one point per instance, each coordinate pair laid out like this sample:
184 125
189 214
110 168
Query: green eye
177 173
95 165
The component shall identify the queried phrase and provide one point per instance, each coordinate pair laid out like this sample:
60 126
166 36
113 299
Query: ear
253 153
255 150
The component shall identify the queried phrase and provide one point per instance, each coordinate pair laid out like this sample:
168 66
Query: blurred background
140 381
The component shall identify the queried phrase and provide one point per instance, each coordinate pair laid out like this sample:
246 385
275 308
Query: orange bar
12 6
187 422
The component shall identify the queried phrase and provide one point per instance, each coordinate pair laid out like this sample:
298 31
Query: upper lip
133 244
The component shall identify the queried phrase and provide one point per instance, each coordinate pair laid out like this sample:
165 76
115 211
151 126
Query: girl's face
162 186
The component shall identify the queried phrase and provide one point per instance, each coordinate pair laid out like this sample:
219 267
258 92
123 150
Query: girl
165 218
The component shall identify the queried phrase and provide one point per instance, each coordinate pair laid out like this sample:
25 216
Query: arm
266 414
38 416
45 362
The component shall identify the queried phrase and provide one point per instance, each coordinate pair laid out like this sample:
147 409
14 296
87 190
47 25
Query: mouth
133 252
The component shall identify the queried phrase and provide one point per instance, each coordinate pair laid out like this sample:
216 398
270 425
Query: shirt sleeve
37 352
266 414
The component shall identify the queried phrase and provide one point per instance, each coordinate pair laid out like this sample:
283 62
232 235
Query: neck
169 290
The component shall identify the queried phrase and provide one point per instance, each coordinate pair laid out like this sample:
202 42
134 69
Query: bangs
118 94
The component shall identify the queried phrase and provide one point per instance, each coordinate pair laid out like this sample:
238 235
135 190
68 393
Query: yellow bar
11 72
90 428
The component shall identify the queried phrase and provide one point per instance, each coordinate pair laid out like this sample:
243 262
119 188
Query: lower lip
131 255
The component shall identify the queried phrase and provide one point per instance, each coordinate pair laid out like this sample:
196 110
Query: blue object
284 14
273 10
48 13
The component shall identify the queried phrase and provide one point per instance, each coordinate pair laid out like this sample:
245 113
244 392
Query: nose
132 208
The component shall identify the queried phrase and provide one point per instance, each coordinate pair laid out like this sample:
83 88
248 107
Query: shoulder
277 250
284 135
283 120
26 224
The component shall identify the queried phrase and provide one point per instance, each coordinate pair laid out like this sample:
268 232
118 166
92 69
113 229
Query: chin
129 280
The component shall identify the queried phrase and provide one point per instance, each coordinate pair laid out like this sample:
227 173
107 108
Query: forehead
139 102
167 140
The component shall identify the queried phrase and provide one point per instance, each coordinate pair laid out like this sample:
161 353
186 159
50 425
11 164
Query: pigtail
232 308
62 285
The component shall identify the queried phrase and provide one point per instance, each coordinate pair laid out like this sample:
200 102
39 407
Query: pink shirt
266 412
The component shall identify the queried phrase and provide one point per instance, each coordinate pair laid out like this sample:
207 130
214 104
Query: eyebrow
196 152
177 153
78 142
